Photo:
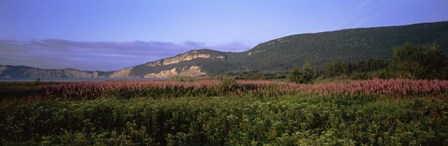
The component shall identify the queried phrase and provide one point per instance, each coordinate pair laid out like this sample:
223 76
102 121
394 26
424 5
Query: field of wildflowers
214 112
268 89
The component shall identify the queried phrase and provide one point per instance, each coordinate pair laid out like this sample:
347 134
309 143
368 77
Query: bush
228 84
360 76
302 76
419 62
383 74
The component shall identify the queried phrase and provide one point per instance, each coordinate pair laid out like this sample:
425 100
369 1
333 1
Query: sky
112 34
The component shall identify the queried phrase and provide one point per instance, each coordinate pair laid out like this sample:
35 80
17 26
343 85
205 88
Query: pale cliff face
2 68
172 71
122 73
254 52
192 71
184 57
184 71
187 57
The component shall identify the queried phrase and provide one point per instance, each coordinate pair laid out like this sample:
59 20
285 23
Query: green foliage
349 45
307 73
219 114
301 76
256 75
359 76
294 75
383 74
286 120
354 70
408 62
419 62
228 85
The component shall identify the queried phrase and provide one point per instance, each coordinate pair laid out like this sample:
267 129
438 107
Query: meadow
224 112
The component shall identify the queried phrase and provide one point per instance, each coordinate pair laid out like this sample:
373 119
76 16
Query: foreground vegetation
228 112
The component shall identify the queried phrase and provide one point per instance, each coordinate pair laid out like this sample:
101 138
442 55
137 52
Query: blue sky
227 25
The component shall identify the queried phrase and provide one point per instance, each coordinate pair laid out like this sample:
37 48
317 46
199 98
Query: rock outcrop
184 71
122 73
2 68
179 65
184 57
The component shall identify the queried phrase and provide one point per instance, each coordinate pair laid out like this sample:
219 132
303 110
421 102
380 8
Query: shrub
228 85
302 76
359 76
419 62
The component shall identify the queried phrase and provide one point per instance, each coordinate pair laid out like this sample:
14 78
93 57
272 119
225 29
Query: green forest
407 62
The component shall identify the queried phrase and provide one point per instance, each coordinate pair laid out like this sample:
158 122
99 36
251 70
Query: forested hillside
348 45
282 54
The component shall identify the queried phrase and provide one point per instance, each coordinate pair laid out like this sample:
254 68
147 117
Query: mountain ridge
354 44
11 71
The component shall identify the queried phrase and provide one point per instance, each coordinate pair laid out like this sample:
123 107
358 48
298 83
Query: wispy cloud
362 14
55 53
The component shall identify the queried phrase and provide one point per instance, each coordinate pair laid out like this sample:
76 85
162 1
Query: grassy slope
350 44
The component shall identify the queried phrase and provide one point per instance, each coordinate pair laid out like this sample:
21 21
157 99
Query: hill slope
283 53
350 44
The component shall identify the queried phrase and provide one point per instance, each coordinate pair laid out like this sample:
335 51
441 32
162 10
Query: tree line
407 62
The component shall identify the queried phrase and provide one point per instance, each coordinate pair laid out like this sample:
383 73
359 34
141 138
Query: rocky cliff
179 65
185 57
183 71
